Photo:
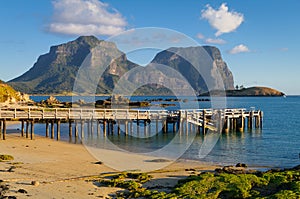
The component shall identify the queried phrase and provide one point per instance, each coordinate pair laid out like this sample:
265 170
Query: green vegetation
269 185
6 158
7 92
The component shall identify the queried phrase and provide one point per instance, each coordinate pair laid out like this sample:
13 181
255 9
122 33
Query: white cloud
239 49
215 41
85 17
223 20
200 36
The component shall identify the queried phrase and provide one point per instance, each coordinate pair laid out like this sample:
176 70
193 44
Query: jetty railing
219 120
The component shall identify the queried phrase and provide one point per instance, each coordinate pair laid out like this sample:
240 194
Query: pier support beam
82 129
27 129
22 128
58 130
70 129
4 130
52 129
104 127
204 122
76 129
47 129
32 130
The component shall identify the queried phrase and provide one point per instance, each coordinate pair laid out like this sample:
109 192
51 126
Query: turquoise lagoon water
277 144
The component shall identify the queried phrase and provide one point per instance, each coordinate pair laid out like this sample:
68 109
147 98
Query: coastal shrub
6 158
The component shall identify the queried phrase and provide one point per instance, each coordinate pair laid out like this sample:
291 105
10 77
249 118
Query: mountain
88 66
203 67
55 72
248 92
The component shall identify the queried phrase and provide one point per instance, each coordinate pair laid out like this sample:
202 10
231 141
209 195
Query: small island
257 91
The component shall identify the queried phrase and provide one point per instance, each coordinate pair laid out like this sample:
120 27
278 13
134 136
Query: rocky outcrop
247 92
60 70
203 67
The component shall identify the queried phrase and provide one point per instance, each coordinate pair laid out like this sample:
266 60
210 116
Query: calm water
276 145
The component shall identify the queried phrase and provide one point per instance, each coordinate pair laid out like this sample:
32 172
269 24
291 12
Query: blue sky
258 39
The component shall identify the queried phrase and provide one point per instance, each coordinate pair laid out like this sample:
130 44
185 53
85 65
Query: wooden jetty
110 120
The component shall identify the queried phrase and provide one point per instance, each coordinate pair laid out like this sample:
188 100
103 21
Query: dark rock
241 165
22 191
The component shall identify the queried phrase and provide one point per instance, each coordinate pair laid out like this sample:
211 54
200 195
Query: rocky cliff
56 71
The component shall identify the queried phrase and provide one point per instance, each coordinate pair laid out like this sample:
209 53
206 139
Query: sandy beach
65 170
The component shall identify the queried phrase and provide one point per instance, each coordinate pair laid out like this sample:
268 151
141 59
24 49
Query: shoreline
60 166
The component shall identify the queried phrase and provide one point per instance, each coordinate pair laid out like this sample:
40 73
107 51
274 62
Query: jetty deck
219 120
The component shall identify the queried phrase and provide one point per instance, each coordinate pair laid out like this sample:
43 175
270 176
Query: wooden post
145 128
261 119
52 129
32 130
47 129
27 129
108 127
138 126
4 130
250 123
112 127
76 129
119 127
82 129
22 128
174 127
126 127
70 129
241 124
165 126
204 122
257 120
131 127
220 123
58 130
226 126
104 127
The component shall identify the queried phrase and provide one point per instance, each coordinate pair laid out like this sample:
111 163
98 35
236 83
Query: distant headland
257 91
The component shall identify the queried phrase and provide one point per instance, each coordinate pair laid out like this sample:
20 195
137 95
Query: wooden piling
126 127
58 130
131 127
261 118
82 129
119 127
104 127
204 122
70 129
145 128
4 130
22 128
52 129
76 129
32 130
47 129
165 124
226 125
27 129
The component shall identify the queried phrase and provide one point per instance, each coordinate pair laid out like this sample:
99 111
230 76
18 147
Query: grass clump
268 185
4 158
